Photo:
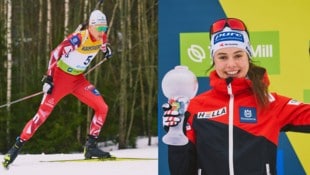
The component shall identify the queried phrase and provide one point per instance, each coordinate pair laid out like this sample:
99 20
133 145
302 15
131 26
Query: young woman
65 76
233 128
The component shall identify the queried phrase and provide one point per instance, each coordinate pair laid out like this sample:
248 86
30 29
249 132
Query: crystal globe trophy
179 85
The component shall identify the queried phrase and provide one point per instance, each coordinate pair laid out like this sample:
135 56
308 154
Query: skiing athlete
233 128
65 76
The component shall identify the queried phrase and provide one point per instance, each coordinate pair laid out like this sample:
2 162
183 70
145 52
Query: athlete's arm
68 45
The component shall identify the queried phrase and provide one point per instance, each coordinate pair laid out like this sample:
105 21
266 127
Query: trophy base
176 140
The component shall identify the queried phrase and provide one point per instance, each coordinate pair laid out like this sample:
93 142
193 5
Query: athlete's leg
89 95
62 86
47 105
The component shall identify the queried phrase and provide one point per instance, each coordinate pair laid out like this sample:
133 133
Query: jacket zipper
230 130
268 169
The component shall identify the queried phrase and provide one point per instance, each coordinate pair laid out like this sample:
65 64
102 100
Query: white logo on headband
228 36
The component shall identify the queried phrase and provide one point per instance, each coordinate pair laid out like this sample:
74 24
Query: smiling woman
231 62
234 127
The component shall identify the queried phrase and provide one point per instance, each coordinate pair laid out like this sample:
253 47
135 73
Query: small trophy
179 85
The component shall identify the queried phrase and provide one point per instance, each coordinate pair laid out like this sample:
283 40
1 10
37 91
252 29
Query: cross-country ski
113 158
138 161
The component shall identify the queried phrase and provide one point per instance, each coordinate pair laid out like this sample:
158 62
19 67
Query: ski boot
91 149
11 155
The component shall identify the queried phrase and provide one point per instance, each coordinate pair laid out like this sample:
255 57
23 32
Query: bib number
88 59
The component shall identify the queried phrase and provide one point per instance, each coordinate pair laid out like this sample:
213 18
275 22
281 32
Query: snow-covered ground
38 164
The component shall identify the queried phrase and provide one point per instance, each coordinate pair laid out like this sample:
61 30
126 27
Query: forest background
31 29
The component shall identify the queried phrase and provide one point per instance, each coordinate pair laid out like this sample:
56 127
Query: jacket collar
239 85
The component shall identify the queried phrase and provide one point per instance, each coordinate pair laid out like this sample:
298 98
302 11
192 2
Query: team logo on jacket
93 90
212 114
247 115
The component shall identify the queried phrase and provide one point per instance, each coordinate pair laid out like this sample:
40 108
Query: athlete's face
231 62
97 31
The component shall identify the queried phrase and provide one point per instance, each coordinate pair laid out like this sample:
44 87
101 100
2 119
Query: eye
238 55
221 57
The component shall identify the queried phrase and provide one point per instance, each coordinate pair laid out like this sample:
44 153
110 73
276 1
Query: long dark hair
259 86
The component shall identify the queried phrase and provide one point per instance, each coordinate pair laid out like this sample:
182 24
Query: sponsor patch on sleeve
75 40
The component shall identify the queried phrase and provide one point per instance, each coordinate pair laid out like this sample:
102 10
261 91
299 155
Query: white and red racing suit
229 135
67 63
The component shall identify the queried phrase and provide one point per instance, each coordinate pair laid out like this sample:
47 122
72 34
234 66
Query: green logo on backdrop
195 54
194 51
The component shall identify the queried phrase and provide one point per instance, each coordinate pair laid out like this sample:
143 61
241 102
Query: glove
48 84
107 51
171 115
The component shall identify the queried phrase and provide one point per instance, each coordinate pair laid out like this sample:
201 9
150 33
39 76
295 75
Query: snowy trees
128 81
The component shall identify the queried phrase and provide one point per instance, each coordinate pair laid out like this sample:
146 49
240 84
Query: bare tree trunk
112 18
123 78
142 98
3 7
129 57
66 31
9 67
22 60
152 35
140 57
129 40
85 12
39 56
133 104
83 4
148 72
48 29
89 111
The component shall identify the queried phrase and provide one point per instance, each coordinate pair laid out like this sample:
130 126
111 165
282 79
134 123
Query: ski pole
22 99
41 92
95 66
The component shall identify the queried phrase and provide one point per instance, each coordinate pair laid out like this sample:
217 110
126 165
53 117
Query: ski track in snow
31 164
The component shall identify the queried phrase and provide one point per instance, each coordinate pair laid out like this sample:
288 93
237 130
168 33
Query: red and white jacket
231 135
75 53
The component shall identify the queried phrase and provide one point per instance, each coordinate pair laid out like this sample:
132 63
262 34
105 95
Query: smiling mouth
232 73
